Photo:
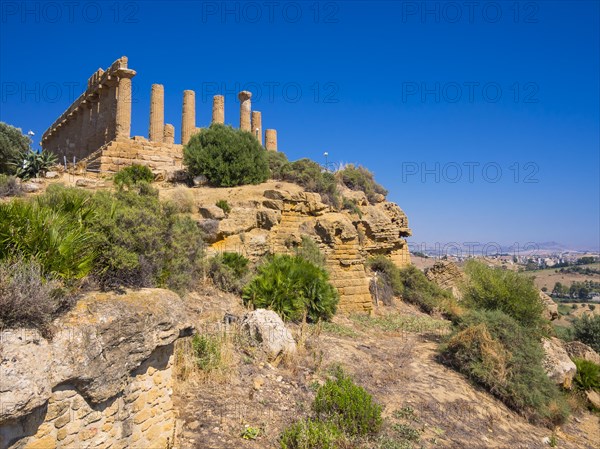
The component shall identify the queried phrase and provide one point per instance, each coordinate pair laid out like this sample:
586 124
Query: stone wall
101 114
104 381
160 157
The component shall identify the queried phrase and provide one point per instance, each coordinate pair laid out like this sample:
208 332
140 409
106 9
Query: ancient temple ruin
95 130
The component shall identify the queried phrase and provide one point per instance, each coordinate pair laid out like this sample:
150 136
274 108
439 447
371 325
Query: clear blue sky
396 86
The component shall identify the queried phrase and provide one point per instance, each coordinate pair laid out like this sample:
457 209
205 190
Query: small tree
13 143
227 157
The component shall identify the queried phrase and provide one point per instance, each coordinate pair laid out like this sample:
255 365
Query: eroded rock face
557 364
550 307
95 348
447 276
578 350
266 329
277 220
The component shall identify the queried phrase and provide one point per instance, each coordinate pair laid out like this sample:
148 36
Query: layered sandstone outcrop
273 218
103 380
447 276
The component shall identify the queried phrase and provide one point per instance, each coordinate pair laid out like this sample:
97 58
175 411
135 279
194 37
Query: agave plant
31 164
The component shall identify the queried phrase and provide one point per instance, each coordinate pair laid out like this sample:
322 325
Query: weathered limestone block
245 109
188 117
157 113
267 330
115 339
218 110
578 350
240 219
447 276
267 218
334 227
550 307
557 363
169 134
212 212
257 125
271 140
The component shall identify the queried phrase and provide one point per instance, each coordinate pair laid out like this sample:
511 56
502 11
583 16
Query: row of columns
101 114
250 121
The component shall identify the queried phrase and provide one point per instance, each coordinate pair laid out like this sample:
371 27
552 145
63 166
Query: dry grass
477 340
189 367
182 198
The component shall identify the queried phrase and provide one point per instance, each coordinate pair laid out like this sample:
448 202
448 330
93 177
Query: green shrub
563 332
229 271
278 164
13 144
224 206
587 330
293 287
227 157
133 175
360 178
352 207
495 351
587 376
413 286
143 243
207 351
9 186
311 434
32 164
347 405
56 238
27 297
309 250
313 178
513 293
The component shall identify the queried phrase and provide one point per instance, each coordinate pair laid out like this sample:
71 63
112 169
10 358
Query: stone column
245 108
218 112
257 126
123 119
84 132
271 140
157 113
169 134
188 116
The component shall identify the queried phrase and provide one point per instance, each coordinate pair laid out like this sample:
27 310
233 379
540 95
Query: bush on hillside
27 297
311 434
144 243
55 237
412 285
293 287
13 144
9 186
133 175
347 405
313 178
229 271
227 157
360 178
495 351
278 163
512 293
587 376
587 330
224 206
309 250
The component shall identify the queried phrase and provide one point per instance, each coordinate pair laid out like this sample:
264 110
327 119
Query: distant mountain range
529 248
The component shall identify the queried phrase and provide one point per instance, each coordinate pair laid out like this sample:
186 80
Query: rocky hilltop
272 218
